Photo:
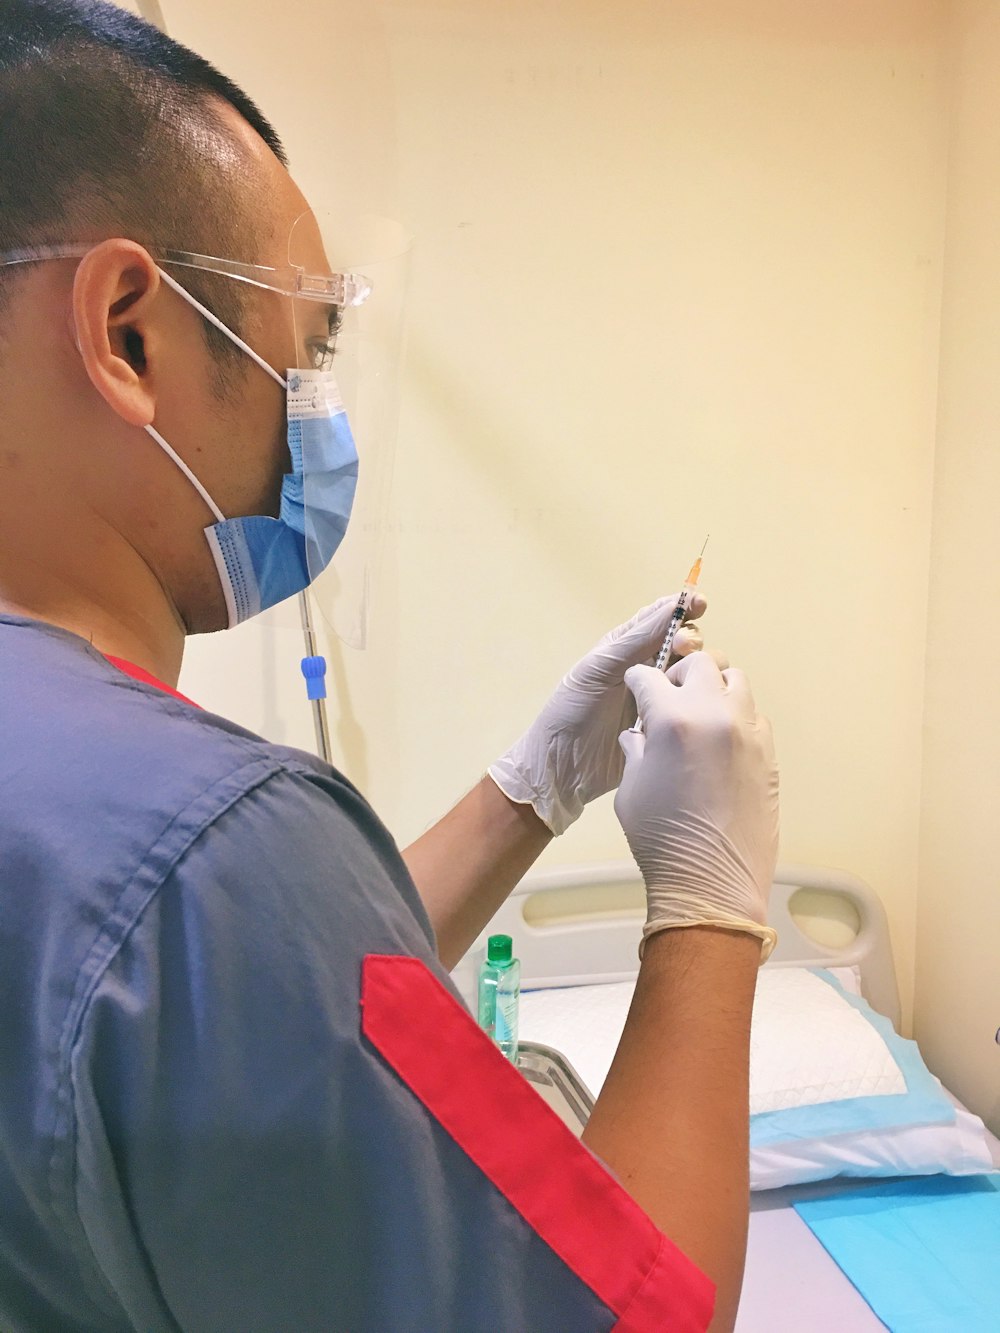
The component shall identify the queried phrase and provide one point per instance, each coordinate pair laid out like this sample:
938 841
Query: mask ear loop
173 454
214 320
244 347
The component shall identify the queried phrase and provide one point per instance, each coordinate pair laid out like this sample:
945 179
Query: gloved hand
570 754
699 799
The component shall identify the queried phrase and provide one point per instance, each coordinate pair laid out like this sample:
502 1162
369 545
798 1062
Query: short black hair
107 128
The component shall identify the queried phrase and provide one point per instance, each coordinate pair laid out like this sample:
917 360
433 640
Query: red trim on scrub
560 1189
147 678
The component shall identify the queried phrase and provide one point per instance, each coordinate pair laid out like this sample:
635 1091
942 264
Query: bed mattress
791 1285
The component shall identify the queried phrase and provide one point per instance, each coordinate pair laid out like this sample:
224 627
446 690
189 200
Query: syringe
680 611
677 619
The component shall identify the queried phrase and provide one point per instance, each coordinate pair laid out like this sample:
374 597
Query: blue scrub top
194 1132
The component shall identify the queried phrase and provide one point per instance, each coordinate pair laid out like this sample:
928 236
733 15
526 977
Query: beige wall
958 939
676 270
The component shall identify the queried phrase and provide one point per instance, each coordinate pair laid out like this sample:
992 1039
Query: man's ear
114 288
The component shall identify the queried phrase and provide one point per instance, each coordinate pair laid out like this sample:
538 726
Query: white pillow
834 1089
960 1148
849 977
583 1023
808 1046
789 1066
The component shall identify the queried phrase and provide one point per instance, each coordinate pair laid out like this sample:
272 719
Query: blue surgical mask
261 560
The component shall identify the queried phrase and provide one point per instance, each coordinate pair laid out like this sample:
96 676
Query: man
237 1089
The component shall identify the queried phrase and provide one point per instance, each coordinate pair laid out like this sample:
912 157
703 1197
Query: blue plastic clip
314 670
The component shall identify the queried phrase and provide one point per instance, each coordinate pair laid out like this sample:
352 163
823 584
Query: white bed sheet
791 1285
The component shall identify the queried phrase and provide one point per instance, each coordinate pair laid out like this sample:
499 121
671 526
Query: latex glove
570 755
699 799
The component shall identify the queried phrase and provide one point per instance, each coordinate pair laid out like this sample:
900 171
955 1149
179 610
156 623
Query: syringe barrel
676 621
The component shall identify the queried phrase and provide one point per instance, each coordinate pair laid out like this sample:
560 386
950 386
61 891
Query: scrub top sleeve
261 1146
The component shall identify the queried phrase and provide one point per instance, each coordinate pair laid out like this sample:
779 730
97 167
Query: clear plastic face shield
360 344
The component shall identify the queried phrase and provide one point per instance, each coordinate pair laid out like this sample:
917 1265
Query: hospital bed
579 927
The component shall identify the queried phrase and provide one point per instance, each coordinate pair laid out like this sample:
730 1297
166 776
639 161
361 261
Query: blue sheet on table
924 1253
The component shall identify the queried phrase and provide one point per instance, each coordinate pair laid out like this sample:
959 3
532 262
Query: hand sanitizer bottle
499 994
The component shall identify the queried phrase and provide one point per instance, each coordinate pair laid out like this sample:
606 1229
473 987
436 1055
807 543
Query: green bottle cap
499 949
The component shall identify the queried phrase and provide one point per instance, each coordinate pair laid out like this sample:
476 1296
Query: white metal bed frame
578 925
582 924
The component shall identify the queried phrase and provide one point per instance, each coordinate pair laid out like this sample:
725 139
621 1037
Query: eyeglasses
341 289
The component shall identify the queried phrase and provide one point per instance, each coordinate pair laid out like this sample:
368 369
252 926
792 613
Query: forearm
466 865
672 1121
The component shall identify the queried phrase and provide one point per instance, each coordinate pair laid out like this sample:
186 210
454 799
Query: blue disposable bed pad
924 1253
923 1102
